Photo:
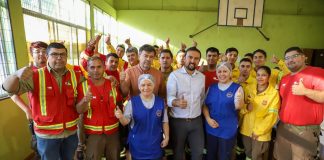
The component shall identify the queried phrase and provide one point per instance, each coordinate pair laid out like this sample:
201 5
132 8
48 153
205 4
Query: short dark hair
94 58
265 68
231 49
193 49
55 45
111 55
147 48
297 49
249 55
212 49
245 60
155 46
121 46
261 51
132 49
37 44
167 51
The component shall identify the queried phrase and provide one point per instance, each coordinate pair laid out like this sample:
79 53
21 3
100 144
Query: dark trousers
190 130
219 148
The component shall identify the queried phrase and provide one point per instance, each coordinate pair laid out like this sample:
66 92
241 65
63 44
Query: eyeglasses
292 56
56 55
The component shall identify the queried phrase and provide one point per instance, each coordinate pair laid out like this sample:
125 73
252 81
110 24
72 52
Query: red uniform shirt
210 78
100 117
300 110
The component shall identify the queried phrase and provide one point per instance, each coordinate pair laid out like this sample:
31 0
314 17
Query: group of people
217 108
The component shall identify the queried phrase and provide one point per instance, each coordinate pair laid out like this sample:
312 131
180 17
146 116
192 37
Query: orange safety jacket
54 111
100 117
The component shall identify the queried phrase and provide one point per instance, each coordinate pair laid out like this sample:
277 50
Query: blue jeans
55 149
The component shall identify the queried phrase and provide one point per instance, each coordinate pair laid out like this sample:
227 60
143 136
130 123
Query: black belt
186 119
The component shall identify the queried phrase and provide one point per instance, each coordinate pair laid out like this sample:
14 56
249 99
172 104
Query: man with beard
185 95
302 109
128 79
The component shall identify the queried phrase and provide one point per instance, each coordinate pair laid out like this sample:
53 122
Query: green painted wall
283 30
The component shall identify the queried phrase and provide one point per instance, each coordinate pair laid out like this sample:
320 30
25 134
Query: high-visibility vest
54 110
100 117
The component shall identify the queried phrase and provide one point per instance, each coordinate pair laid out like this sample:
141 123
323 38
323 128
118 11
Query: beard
191 66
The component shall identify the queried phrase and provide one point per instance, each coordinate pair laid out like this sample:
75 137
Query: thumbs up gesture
194 43
122 74
202 67
88 96
182 103
183 46
274 59
25 72
118 113
107 40
298 88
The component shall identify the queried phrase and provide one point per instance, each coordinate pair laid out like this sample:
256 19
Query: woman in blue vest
220 110
148 120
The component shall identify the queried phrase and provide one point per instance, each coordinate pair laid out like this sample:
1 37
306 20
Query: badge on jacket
229 94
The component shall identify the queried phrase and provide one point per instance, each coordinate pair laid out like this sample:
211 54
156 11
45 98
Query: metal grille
7 53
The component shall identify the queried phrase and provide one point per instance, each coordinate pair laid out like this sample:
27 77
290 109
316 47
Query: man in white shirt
185 96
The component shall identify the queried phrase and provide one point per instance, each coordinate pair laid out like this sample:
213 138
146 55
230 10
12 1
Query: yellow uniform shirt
263 115
276 75
156 64
235 73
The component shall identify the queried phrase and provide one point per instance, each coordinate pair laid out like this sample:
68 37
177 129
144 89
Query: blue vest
222 109
146 135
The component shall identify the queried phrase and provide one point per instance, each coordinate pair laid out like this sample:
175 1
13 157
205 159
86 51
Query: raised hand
108 40
167 41
202 67
194 43
274 59
25 72
127 41
183 46
223 58
98 37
